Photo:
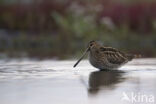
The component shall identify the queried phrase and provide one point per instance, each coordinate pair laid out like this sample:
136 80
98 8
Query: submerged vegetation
62 28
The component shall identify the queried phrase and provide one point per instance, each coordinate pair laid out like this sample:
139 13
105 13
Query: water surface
57 82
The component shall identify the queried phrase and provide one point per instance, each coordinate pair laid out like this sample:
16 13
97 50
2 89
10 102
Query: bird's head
91 46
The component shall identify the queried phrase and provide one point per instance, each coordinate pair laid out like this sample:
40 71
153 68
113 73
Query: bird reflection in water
104 79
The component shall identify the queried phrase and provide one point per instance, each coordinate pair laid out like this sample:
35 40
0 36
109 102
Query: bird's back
109 58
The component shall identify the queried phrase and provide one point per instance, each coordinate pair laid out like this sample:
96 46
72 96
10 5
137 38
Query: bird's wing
110 49
129 57
113 55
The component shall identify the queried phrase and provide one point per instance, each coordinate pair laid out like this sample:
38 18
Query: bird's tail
137 56
130 56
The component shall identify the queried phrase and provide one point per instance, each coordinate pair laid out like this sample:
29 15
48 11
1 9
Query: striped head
93 45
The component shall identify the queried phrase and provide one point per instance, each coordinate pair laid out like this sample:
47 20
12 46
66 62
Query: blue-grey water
24 81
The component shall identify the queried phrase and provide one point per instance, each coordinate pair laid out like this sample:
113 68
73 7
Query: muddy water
57 82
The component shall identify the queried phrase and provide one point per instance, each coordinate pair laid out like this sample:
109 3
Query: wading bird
105 57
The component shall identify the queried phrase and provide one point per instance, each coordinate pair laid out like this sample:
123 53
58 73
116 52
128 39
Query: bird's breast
95 60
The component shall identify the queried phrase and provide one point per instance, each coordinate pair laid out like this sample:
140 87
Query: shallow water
57 82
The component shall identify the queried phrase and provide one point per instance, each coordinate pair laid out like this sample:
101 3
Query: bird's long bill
81 57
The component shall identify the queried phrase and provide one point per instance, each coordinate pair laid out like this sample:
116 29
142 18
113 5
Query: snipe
105 57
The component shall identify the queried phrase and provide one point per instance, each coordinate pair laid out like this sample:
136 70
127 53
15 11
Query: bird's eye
91 44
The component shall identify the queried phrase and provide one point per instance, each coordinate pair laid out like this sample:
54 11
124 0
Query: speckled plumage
106 57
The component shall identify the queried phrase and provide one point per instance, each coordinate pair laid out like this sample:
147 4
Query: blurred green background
61 29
